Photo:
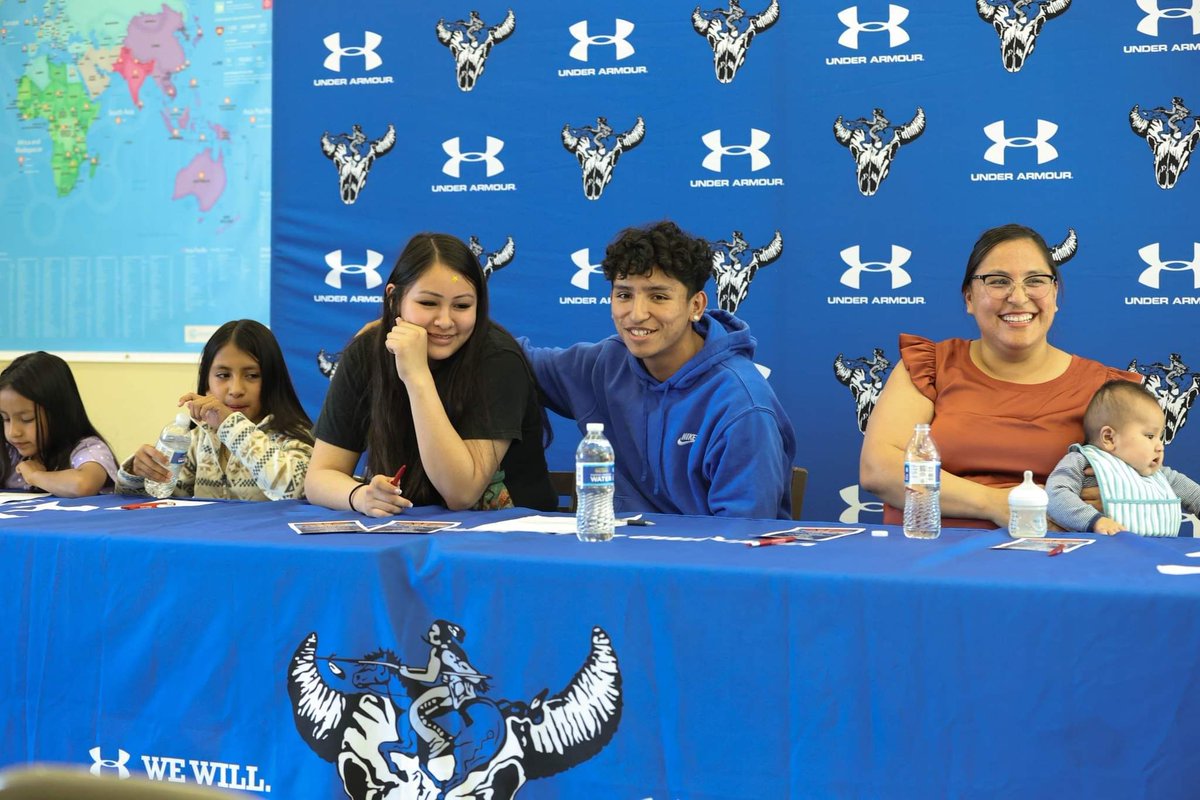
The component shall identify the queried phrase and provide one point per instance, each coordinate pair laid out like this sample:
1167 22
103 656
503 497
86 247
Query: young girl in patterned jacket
252 439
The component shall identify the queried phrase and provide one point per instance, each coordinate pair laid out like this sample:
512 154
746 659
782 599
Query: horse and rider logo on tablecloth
432 732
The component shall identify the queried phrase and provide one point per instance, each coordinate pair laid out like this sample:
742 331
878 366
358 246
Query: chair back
799 481
563 483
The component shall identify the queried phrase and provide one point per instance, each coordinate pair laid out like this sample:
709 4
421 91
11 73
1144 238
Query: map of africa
137 191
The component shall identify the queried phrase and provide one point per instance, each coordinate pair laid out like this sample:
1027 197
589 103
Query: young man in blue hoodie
694 424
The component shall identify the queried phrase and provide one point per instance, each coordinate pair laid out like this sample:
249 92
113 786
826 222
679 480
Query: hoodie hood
725 337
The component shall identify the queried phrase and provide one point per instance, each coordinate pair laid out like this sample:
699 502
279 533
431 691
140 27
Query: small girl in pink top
51 445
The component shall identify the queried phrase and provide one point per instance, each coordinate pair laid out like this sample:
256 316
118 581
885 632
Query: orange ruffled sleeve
919 359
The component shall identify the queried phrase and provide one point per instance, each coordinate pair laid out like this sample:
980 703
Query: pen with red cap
767 541
399 475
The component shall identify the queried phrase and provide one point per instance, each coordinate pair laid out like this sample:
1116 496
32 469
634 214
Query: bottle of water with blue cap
594 487
173 443
922 486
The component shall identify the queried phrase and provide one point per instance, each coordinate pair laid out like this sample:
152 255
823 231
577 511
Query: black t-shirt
513 413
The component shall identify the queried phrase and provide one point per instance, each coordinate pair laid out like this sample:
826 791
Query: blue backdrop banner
842 159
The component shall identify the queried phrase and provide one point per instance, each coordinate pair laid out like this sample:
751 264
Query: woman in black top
437 394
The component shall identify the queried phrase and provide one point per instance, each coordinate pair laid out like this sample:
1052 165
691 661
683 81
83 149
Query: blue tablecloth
167 640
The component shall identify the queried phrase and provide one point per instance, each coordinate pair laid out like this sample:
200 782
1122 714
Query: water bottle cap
1028 494
182 419
595 427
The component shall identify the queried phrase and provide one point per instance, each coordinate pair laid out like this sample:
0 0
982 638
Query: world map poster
135 183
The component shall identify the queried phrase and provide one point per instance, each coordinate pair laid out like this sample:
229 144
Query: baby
1124 429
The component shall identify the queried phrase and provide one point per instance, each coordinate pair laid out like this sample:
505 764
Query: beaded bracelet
350 498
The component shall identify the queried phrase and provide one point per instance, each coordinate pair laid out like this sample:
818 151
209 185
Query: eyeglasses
1001 286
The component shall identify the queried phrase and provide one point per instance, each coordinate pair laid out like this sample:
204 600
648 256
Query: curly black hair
663 246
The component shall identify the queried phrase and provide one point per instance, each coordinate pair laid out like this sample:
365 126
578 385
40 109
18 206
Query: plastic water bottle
922 486
594 489
173 443
1027 509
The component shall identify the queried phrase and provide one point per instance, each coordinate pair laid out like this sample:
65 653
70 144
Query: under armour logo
1045 150
896 35
853 258
371 59
1152 275
579 51
369 270
758 159
99 764
1154 15
585 269
854 506
453 165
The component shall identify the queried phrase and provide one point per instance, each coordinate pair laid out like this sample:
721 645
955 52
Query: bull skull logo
1172 134
1174 387
490 262
469 50
1065 250
598 149
729 32
431 732
327 363
864 377
874 143
353 160
733 276
1017 28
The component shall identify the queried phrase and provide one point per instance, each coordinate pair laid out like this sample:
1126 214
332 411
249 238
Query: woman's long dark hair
278 396
62 421
392 437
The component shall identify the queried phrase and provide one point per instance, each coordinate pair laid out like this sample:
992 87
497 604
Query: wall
129 403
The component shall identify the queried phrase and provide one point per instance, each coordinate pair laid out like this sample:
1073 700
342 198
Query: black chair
563 483
799 482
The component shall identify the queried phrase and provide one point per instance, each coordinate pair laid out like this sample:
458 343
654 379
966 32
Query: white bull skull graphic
1018 30
1172 147
470 54
873 149
730 33
353 162
500 745
1174 387
864 377
497 259
598 150
732 276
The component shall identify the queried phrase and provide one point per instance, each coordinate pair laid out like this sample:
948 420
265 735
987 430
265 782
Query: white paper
535 523
22 497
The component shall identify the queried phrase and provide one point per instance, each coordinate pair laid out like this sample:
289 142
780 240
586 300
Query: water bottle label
922 473
593 475
174 457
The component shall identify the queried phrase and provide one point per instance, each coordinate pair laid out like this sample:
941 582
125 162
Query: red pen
767 541
1058 550
399 474
150 504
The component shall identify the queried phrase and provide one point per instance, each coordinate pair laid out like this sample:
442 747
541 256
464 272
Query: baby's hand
1107 526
